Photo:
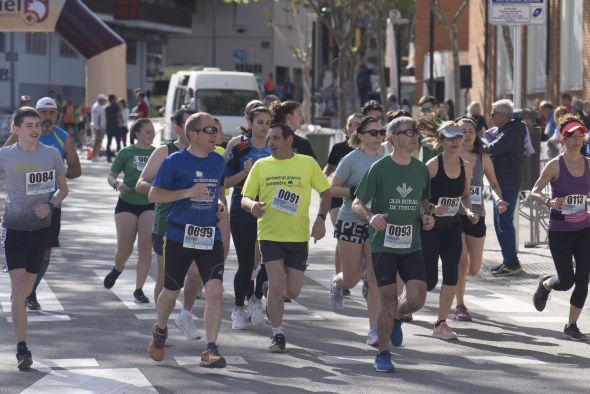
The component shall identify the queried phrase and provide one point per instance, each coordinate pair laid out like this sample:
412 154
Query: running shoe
32 303
187 326
212 359
111 278
24 359
346 292
383 362
571 331
397 335
373 337
496 268
157 342
238 318
5 268
541 294
336 296
278 344
365 289
140 298
462 313
443 331
505 270
256 313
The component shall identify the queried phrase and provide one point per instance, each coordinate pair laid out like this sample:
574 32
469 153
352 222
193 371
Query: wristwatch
548 202
51 205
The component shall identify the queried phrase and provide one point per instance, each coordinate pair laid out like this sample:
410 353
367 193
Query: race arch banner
86 33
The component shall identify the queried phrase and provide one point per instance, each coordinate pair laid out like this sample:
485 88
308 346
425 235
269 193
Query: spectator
113 116
269 85
141 109
507 151
474 112
578 109
545 113
99 124
552 132
450 109
566 101
391 103
288 90
363 82
69 119
123 130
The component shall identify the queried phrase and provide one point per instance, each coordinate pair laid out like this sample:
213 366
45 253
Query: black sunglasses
374 132
207 130
409 132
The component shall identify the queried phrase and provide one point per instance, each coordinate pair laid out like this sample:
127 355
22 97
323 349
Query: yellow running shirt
219 149
285 187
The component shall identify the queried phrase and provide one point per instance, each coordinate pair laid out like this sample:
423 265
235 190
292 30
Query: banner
29 15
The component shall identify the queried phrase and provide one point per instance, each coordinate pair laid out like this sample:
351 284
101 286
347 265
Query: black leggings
563 246
244 236
446 243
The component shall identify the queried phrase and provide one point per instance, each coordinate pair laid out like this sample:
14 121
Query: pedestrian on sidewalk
569 224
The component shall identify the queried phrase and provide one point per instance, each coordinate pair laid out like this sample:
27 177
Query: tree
452 27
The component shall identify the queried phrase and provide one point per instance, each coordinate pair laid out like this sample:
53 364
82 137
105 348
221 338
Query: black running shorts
351 232
123 206
25 249
387 265
294 254
477 230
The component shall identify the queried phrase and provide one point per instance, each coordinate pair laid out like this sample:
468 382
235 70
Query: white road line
45 296
83 381
509 360
42 318
539 319
125 286
333 360
230 360
65 363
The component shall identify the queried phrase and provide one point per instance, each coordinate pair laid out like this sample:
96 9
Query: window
154 64
131 51
503 69
224 102
36 43
536 58
65 50
570 58
2 42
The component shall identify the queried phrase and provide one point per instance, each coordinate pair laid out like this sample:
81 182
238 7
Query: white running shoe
238 318
187 326
256 313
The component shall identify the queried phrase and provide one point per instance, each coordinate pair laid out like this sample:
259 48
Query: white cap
46 102
102 97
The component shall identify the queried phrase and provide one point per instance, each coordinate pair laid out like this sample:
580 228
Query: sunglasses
208 130
409 132
374 132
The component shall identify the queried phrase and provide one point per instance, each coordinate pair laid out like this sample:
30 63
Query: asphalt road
90 339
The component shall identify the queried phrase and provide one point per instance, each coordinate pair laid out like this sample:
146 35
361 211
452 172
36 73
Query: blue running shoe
383 362
336 296
397 335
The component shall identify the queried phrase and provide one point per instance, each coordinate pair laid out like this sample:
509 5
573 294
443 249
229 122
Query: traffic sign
517 12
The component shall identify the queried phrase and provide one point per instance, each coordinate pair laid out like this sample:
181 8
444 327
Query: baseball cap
546 104
451 132
46 102
102 97
572 127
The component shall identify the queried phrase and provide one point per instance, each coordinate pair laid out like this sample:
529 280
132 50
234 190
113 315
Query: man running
58 138
192 284
32 171
398 188
192 180
283 183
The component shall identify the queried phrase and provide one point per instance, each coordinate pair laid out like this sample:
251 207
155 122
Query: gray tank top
477 202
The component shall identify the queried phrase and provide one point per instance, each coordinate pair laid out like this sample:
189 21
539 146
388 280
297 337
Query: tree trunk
456 69
342 85
306 103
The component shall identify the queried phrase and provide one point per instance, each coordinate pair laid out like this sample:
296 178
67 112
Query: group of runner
397 217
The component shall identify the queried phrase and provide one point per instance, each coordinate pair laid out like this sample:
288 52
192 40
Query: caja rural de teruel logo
35 11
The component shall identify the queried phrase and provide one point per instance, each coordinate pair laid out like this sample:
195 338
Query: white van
223 94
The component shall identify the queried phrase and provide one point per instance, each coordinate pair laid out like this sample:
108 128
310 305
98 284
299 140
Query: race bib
40 182
452 204
196 237
139 162
286 201
398 236
574 203
475 195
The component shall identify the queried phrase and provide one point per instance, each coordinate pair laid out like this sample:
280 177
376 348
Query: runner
243 224
338 151
398 188
32 172
350 231
239 138
569 225
134 213
450 182
192 180
289 113
283 183
224 222
58 138
372 108
192 283
474 235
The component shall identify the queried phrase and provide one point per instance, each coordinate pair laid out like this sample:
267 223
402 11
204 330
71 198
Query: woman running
133 213
351 232
242 223
338 151
289 113
474 235
449 183
569 225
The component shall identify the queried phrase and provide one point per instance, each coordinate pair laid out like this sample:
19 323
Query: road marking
120 380
65 363
347 359
510 360
125 286
230 360
539 319
42 318
302 317
496 302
